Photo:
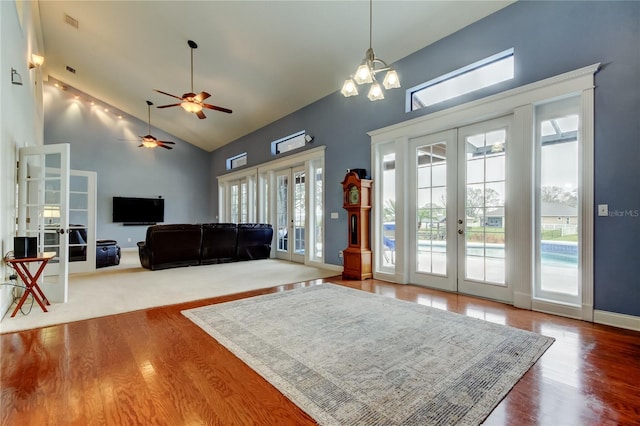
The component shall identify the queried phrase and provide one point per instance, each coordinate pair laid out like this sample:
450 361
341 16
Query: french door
457 217
43 211
290 207
82 221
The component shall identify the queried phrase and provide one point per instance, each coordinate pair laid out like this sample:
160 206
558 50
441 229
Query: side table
31 281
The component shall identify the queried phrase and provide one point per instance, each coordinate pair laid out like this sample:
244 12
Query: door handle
460 231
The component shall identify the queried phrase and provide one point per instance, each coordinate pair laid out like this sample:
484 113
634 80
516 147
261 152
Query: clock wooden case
357 202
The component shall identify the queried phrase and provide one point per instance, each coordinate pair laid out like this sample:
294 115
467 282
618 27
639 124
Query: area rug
348 357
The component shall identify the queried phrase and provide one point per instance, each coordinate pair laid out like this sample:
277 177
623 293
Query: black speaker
25 247
362 173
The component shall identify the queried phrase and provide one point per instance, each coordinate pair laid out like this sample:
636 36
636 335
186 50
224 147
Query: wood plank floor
155 367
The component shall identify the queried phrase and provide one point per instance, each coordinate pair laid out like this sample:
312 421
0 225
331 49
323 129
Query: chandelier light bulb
375 93
363 74
349 88
391 80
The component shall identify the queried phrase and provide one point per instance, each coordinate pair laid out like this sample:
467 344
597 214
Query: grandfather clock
357 203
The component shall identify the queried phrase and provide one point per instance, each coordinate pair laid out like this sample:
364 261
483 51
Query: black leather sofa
177 245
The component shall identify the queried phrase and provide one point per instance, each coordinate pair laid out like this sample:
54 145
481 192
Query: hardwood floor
155 367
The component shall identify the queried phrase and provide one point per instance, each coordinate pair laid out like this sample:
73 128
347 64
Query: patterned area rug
348 357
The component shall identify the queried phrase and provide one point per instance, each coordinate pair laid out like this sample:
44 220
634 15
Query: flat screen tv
130 210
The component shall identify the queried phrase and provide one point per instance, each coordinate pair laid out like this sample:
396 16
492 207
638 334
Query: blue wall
180 176
549 38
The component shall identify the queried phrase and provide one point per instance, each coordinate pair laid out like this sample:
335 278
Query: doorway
458 178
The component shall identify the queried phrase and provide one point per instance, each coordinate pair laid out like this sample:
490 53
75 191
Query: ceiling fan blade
167 106
169 142
168 94
217 108
201 115
165 146
140 146
201 96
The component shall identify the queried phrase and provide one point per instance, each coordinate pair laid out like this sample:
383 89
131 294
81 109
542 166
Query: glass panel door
82 221
481 209
43 213
291 214
433 248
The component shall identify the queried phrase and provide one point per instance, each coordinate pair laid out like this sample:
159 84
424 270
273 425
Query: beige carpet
129 287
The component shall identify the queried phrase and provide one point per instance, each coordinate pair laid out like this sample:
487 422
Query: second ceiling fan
191 102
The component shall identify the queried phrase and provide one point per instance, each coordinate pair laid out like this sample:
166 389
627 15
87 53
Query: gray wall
549 38
180 176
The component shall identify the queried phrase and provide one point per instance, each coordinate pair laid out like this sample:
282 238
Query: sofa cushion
168 246
218 242
254 241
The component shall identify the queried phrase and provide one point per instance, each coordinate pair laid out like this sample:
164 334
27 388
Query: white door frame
33 195
520 102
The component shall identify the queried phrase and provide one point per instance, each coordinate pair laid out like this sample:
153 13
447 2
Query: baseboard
629 322
560 309
330 267
6 299
522 300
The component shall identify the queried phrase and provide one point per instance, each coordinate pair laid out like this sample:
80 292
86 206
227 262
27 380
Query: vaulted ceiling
261 59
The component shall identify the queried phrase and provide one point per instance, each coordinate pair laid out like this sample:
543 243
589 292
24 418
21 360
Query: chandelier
366 72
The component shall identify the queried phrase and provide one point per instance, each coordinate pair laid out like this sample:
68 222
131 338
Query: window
289 143
237 161
481 74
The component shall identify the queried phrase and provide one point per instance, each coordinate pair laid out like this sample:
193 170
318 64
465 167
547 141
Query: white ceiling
262 59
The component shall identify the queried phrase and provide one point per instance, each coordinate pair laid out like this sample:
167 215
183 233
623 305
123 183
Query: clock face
354 195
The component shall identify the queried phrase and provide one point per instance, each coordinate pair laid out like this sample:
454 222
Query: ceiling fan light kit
149 141
191 106
191 102
366 72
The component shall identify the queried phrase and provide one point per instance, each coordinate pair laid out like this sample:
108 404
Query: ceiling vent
71 70
71 21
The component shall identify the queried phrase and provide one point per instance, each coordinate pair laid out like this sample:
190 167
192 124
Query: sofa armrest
144 254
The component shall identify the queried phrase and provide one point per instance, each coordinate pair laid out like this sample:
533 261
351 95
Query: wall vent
71 21
71 70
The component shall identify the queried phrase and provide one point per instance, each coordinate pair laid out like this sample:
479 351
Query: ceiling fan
150 141
191 102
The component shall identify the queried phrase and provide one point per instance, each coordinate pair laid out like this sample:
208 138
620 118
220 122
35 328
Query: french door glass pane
484 206
319 213
388 231
282 214
299 199
244 201
558 208
235 214
431 209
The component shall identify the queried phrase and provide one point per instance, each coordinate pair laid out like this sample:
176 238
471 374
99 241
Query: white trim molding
629 322
520 102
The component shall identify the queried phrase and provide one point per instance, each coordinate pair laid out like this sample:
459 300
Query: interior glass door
291 202
82 221
481 209
43 198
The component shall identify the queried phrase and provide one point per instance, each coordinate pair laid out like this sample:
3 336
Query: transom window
484 73
289 143
237 161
